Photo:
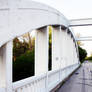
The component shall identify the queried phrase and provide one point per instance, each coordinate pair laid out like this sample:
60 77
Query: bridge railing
2 90
45 82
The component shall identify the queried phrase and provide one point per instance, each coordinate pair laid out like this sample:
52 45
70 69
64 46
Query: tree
29 39
79 42
89 57
23 57
82 54
19 48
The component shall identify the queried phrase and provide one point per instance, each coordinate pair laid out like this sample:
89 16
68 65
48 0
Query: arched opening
24 56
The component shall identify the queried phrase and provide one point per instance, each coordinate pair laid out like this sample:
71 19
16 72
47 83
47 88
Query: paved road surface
80 81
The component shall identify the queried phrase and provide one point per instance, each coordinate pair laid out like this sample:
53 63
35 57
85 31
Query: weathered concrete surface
80 81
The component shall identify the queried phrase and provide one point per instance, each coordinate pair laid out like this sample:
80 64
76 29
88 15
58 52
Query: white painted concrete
81 22
84 39
72 51
39 83
66 48
62 48
56 48
20 16
6 67
41 51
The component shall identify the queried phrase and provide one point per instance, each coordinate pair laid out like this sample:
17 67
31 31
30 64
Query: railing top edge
26 81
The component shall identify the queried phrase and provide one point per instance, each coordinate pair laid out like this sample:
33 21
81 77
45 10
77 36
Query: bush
82 54
23 66
89 58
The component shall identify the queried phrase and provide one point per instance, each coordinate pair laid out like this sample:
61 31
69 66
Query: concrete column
68 48
73 53
62 48
6 67
56 47
77 54
72 50
41 51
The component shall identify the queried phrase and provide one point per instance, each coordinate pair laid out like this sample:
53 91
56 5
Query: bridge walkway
80 81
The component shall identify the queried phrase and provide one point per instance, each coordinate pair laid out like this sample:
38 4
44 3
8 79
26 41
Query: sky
75 9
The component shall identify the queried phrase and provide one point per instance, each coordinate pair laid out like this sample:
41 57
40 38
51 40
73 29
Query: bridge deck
80 81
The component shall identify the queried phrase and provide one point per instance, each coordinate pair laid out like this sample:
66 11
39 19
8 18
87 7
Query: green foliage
89 58
19 48
23 59
82 54
23 67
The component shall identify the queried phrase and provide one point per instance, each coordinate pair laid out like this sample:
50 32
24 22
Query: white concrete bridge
20 16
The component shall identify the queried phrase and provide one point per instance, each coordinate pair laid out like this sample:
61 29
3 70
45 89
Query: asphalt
80 81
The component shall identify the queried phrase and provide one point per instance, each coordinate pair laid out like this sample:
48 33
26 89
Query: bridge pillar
72 51
68 45
6 67
78 61
41 51
56 47
75 54
66 48
62 47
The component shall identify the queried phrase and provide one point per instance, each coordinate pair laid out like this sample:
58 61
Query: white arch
18 17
